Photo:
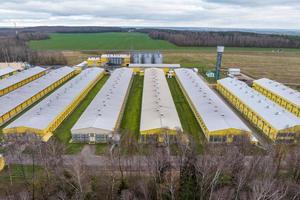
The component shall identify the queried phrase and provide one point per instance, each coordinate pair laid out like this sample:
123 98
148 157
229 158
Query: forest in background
229 39
14 47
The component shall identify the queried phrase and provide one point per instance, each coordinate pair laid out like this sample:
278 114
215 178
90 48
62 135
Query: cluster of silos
146 58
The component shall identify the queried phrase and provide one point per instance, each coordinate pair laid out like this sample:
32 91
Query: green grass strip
188 121
132 112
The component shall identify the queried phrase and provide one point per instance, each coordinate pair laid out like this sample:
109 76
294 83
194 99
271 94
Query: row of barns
277 120
271 107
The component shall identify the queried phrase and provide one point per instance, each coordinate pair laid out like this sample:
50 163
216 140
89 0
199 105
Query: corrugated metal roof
103 112
275 115
5 83
6 71
115 56
158 108
214 112
154 65
42 114
20 95
281 90
94 58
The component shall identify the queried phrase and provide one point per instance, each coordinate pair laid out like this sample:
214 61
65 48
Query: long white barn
48 114
14 102
102 117
279 93
273 120
17 80
218 122
159 114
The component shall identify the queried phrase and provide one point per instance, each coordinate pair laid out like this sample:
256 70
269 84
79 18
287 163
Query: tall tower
220 50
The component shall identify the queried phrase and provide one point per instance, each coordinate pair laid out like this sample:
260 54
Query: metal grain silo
157 58
140 58
147 58
134 58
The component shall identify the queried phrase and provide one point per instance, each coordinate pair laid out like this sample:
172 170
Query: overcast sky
283 14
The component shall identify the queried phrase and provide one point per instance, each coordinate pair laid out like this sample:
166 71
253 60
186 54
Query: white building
159 116
101 119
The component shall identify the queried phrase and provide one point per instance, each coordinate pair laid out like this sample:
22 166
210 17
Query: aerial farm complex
35 102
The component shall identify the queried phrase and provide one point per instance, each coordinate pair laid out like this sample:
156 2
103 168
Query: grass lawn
132 112
186 116
101 149
19 176
63 132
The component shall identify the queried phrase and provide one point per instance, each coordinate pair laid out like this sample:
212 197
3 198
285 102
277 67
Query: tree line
13 48
63 29
237 171
13 43
231 39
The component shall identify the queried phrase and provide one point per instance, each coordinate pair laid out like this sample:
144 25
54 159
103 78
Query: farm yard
150 100
255 62
125 154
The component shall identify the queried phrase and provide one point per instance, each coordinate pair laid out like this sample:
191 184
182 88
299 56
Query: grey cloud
265 3
212 13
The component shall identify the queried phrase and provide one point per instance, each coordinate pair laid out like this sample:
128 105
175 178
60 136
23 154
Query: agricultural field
255 62
283 67
103 41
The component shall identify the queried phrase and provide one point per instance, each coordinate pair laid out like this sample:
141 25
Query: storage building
100 120
116 59
94 62
47 115
16 101
279 93
142 67
275 122
159 118
218 122
13 82
6 72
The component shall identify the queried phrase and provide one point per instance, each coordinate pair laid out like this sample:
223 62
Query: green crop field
98 41
63 132
121 41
